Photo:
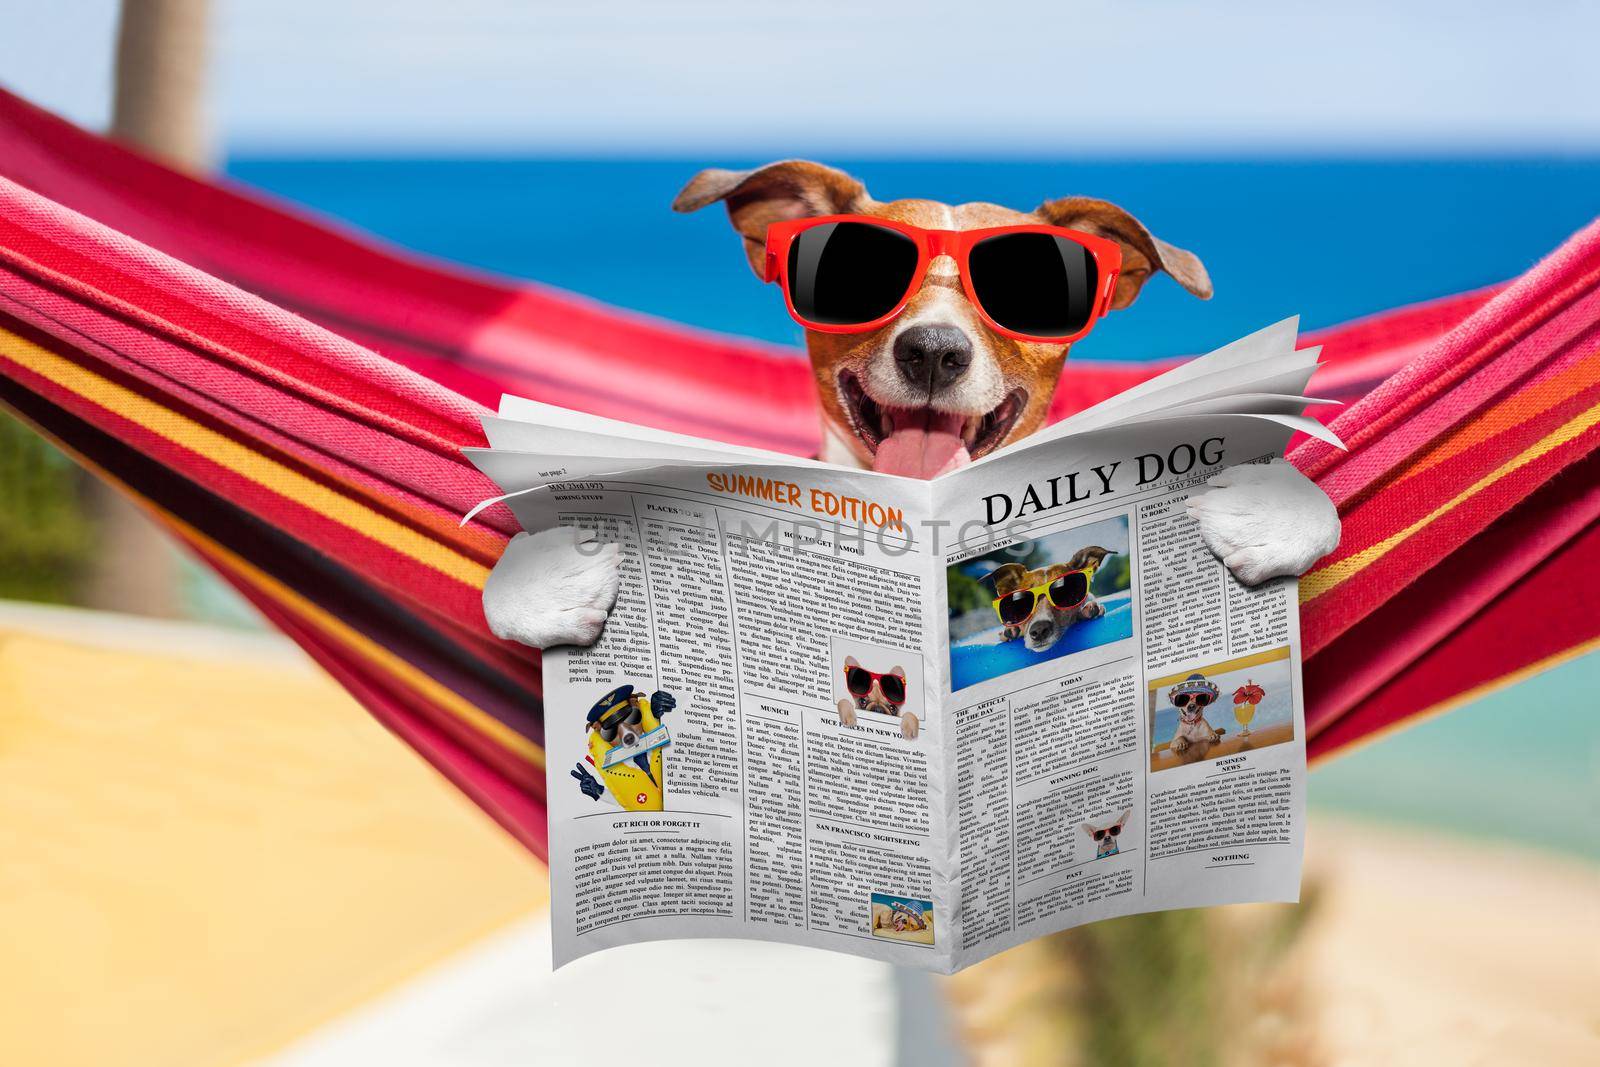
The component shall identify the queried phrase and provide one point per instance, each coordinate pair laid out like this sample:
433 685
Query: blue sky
1123 77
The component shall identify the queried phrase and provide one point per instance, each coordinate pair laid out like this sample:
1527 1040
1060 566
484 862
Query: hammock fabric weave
290 400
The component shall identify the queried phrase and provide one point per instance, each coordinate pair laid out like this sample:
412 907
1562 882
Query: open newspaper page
1128 730
750 750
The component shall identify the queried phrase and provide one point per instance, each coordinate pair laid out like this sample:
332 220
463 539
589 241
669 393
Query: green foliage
46 536
1113 576
967 593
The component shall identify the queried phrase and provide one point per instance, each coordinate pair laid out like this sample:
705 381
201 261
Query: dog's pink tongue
923 444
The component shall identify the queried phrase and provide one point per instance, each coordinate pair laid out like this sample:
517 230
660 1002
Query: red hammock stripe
291 400
347 611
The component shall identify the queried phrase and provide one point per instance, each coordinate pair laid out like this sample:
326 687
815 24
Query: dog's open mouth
923 442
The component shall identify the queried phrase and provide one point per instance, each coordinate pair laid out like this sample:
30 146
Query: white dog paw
908 726
555 587
1265 520
847 713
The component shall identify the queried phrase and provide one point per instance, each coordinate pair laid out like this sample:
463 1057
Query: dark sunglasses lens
1201 700
1113 830
1035 283
1099 835
1016 608
893 687
847 273
858 681
1069 590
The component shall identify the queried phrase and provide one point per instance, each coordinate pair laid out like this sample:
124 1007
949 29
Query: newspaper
922 721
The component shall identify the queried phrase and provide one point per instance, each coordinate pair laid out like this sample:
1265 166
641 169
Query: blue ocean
1329 240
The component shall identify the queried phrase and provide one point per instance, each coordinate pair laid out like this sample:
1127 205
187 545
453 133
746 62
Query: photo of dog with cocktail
1221 709
1038 600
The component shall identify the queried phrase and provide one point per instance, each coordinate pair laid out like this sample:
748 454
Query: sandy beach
1433 949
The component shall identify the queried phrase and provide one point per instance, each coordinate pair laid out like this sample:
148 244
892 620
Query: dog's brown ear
1092 556
851 661
1142 251
1005 576
791 189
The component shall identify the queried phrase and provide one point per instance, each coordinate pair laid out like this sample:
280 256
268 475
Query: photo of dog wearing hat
877 682
1221 709
902 918
627 742
1038 600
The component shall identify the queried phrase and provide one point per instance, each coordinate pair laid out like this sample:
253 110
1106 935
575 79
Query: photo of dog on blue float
1221 709
1038 600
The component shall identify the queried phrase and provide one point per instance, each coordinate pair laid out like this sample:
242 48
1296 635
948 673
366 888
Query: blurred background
198 904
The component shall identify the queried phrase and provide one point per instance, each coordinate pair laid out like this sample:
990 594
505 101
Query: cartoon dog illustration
1194 736
881 694
1040 605
620 721
1105 837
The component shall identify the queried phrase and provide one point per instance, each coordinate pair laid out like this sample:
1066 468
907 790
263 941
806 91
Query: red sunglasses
859 681
854 273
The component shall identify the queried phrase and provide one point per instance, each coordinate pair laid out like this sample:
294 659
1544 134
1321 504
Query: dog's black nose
932 356
1040 629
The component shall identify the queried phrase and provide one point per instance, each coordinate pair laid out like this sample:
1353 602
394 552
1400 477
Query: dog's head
1105 836
873 699
1048 622
1192 696
937 368
625 725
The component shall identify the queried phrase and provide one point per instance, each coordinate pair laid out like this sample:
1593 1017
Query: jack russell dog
937 380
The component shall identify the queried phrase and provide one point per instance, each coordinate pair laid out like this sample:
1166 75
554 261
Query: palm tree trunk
161 80
160 109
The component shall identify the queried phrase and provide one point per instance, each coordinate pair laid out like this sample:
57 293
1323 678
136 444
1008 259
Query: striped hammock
290 401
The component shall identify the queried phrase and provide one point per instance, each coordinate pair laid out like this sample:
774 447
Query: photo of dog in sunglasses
1107 835
626 747
875 681
1038 600
1221 710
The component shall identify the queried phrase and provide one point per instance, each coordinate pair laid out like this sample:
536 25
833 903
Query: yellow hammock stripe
404 673
242 460
1321 581
1533 400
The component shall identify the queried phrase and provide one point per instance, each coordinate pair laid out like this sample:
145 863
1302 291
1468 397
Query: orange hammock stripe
242 460
398 671
1323 580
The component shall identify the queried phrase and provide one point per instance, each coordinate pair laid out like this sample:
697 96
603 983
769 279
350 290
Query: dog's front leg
908 725
555 587
847 713
1265 520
